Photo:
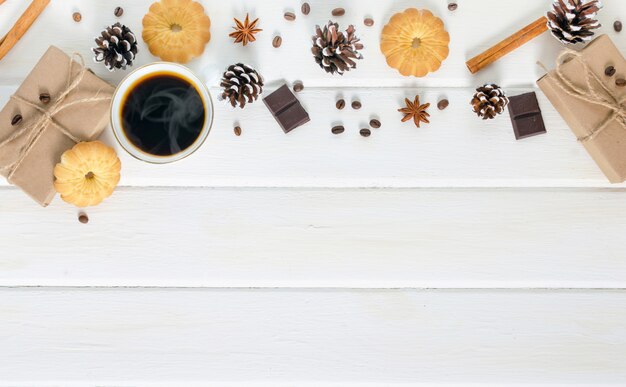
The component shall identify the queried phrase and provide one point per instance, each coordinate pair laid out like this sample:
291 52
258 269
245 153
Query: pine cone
489 101
572 21
117 47
335 51
241 84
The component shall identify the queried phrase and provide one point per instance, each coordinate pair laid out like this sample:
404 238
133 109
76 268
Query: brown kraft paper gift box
78 110
591 103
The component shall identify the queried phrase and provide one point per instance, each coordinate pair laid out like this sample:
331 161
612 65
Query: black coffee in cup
162 114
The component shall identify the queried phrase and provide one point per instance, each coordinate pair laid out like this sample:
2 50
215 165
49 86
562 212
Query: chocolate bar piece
526 116
286 108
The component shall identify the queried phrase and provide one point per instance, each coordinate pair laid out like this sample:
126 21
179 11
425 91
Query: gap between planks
312 289
491 189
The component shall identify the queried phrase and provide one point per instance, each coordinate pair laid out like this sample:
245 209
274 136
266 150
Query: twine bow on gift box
601 95
47 120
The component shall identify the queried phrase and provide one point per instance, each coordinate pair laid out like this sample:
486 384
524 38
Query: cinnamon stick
22 25
509 44
2 1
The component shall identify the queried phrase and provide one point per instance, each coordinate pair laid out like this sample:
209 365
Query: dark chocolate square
293 117
526 116
286 108
280 100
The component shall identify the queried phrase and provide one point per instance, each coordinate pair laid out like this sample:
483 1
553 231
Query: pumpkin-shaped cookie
176 30
415 42
87 174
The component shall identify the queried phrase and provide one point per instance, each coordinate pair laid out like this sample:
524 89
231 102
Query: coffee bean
339 12
16 119
306 8
337 129
340 104
119 11
356 105
442 104
452 6
77 17
290 16
298 87
44 98
237 130
368 21
365 132
277 41
617 26
374 123
621 82
83 218
609 71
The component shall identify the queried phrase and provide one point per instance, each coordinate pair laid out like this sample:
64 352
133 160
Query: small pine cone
573 21
489 101
117 47
242 84
335 51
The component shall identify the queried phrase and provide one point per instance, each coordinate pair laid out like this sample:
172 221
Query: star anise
244 32
415 111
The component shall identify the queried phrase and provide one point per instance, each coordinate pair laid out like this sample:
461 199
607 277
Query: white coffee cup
135 78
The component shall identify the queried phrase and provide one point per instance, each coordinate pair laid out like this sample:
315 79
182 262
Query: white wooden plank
464 238
456 150
287 337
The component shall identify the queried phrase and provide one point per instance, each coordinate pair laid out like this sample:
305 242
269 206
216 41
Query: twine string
601 96
47 119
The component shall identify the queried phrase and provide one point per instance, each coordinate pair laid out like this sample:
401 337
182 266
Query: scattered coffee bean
338 129
374 123
452 6
442 104
16 119
339 12
298 87
365 132
617 26
621 82
83 218
306 8
290 16
119 11
609 71
44 98
277 41
237 130
77 17
368 21
356 105
340 104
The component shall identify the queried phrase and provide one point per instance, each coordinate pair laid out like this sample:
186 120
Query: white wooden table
450 254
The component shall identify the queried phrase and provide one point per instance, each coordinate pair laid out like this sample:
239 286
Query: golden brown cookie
176 30
415 42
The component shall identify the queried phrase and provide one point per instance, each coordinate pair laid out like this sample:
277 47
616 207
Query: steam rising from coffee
163 115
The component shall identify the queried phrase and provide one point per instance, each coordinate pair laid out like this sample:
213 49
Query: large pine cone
117 47
242 84
572 21
489 101
335 51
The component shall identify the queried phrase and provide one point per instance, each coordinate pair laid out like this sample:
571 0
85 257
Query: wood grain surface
266 259
312 337
433 238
